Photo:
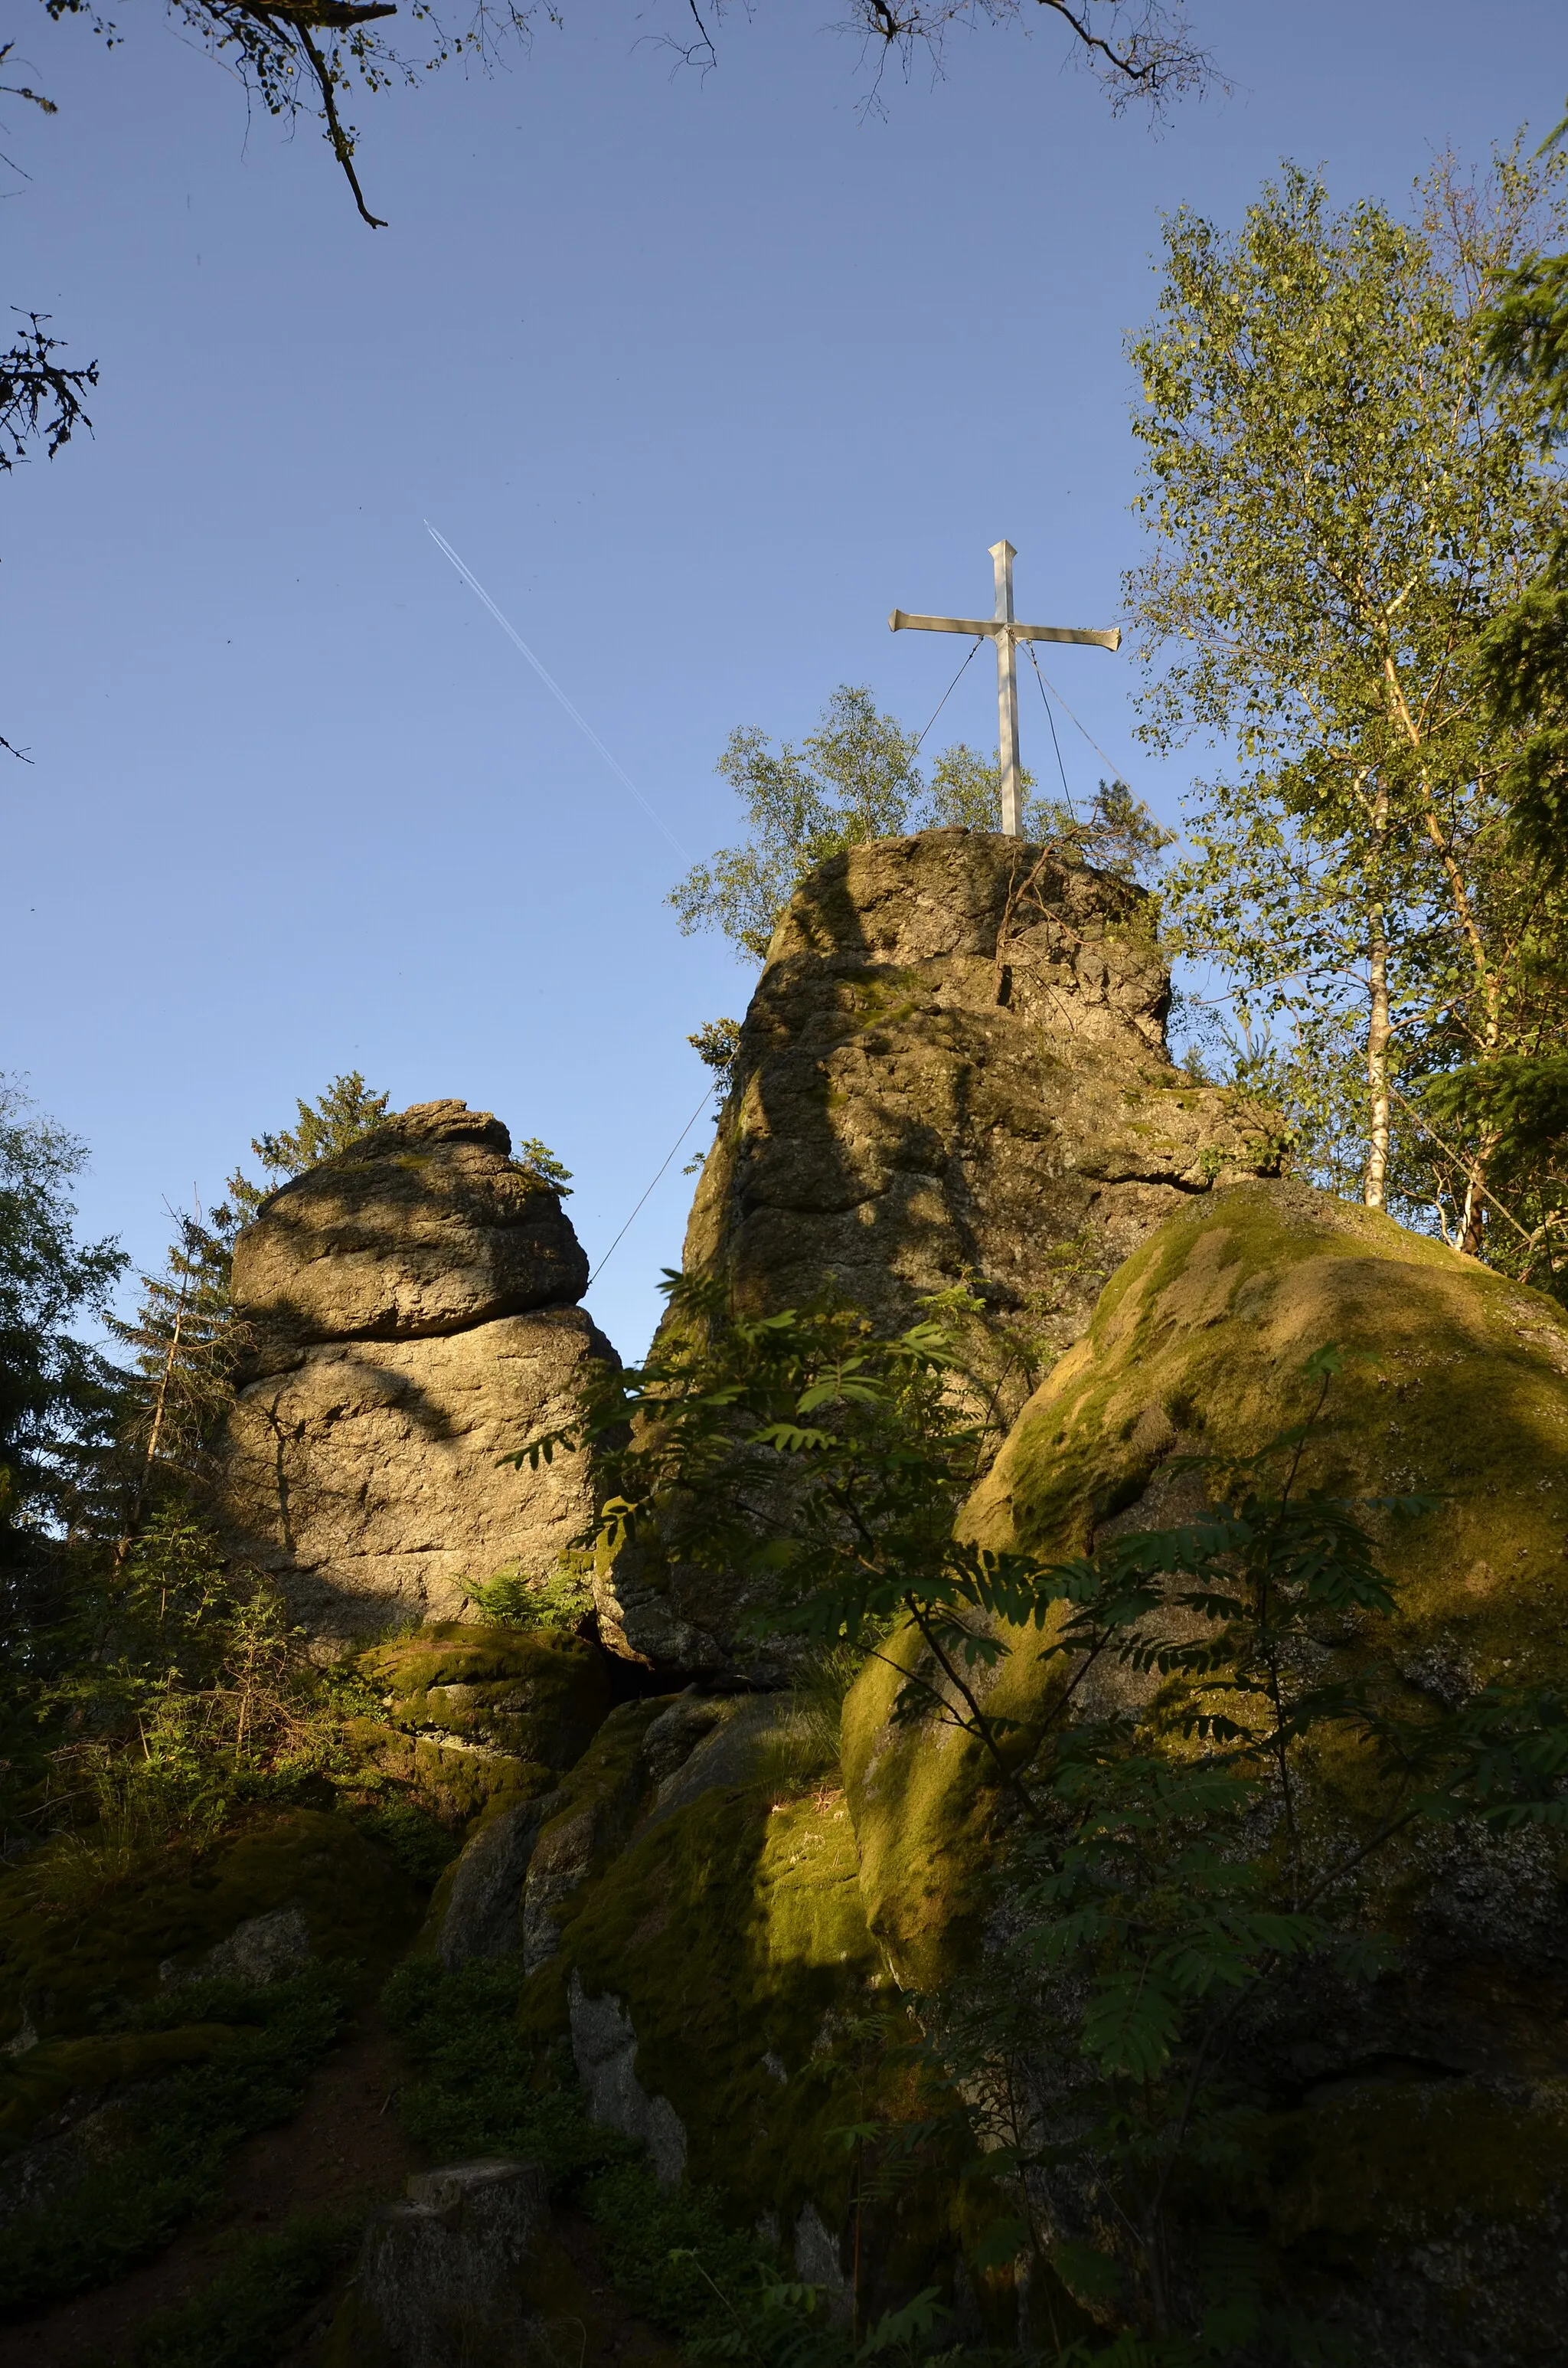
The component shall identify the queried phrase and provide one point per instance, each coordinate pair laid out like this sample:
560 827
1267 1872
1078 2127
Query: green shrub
241 2320
423 1847
483 2087
558 1603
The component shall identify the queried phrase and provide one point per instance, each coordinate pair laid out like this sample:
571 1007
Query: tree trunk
1378 1034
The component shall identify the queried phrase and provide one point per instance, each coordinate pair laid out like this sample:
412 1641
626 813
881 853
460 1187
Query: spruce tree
184 1342
344 1114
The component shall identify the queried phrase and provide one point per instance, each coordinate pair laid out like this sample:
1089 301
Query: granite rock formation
953 1070
412 1317
954 1067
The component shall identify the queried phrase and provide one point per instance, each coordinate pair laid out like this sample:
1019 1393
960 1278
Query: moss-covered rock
521 1690
480 1717
1414 2182
733 1936
1456 1386
594 1812
72 1956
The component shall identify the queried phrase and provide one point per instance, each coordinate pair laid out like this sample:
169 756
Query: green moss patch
532 1694
734 1935
72 1966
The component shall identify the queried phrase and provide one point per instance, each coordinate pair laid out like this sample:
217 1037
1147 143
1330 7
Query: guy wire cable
1114 771
950 688
691 1121
1054 740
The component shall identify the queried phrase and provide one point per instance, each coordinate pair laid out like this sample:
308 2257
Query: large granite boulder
410 1318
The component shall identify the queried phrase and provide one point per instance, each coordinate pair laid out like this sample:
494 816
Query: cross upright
1007 632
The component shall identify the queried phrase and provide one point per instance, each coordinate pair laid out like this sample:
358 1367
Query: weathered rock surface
604 2047
263 1949
954 1067
425 1226
409 1320
483 1913
953 1070
443 2277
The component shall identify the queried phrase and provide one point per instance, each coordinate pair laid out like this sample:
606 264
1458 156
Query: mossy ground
192 2090
71 1967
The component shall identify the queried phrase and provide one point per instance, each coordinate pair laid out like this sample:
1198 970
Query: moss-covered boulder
475 1714
1456 1386
1411 2172
734 1937
84 1934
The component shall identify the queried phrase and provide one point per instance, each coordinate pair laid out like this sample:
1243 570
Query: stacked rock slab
411 1317
954 1067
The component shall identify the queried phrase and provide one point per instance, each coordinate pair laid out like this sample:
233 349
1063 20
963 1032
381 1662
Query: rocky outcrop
410 1318
954 1069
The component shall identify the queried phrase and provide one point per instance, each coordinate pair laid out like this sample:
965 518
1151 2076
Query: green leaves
1344 499
1503 1758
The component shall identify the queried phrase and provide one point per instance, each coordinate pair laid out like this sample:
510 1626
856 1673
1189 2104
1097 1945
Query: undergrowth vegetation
485 2086
172 2135
244 2316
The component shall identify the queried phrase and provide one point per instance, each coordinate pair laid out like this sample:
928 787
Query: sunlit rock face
411 1312
427 1227
953 1070
954 1067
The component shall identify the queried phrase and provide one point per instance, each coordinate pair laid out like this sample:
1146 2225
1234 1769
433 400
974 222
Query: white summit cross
1007 632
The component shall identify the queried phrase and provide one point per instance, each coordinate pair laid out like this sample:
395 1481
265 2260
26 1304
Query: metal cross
1007 632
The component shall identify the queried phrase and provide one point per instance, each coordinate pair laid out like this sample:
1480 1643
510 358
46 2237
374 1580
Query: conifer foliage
344 1114
184 1342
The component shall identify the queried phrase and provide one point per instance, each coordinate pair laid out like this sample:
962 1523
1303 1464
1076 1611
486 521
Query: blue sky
701 377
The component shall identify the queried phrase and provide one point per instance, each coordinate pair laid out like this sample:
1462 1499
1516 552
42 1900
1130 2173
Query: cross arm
991 626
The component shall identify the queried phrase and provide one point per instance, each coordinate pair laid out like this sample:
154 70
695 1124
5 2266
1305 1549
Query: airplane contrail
621 775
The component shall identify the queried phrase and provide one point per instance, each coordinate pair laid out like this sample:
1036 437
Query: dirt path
343 2151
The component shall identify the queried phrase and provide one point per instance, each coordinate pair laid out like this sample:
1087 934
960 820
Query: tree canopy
856 777
1340 502
56 1394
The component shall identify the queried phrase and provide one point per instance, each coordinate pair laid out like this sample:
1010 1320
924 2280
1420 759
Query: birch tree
1339 500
